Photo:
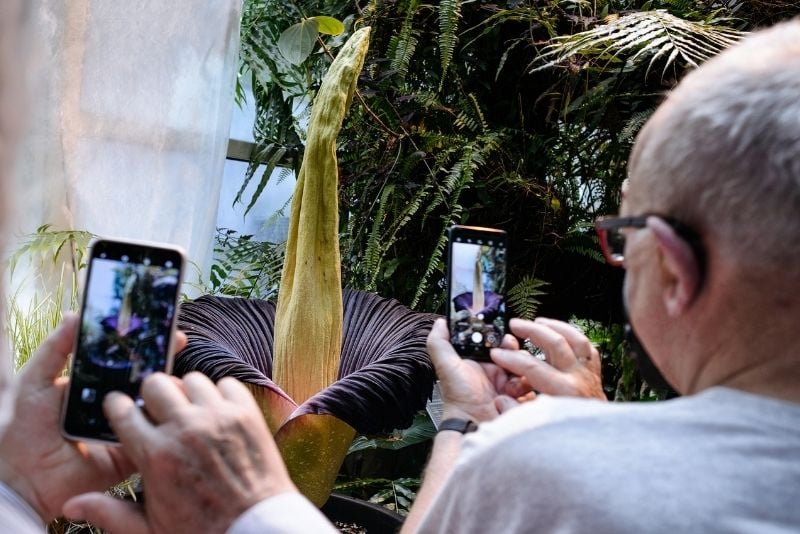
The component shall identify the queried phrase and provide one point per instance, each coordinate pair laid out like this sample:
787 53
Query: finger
130 425
496 375
580 344
503 403
236 392
51 357
201 390
509 342
162 397
517 387
440 350
108 513
558 351
180 341
542 377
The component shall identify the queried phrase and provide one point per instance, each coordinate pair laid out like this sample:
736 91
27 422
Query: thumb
108 513
51 356
440 350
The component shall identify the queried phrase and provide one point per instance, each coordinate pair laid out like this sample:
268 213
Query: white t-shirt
719 461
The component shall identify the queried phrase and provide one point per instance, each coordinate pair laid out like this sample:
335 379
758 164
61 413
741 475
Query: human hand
35 460
571 366
205 456
469 389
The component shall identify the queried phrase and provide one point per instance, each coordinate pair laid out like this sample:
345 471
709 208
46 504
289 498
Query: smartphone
127 329
476 284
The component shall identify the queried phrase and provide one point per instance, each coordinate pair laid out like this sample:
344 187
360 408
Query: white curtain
129 115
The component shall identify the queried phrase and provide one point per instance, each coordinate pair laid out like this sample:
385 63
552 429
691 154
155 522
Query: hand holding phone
476 290
126 330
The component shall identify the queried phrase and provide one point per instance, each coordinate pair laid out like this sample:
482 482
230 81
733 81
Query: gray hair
722 153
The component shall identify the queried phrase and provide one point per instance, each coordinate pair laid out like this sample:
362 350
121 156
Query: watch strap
459 425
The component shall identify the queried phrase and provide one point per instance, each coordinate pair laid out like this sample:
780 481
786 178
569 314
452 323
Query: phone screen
476 282
126 329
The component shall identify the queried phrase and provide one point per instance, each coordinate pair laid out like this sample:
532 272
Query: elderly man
709 236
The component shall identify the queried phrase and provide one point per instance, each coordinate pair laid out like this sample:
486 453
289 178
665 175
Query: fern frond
375 245
449 13
244 267
635 124
523 297
640 36
403 45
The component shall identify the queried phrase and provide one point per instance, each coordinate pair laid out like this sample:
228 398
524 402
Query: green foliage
621 381
45 246
244 267
397 495
628 41
451 126
449 12
28 326
56 258
282 88
403 45
421 430
523 297
298 40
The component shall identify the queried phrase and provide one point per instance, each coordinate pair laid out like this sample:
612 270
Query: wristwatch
459 425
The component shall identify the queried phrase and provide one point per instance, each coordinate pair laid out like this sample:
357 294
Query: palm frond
46 245
635 38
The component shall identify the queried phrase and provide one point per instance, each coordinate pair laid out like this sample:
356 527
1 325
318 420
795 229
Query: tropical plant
395 494
647 37
243 267
55 258
519 115
339 362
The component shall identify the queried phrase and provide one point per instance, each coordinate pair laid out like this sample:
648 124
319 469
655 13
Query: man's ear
680 266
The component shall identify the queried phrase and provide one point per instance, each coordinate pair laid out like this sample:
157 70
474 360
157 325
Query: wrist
471 413
16 488
462 426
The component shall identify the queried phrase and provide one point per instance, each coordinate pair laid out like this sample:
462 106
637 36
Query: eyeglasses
612 239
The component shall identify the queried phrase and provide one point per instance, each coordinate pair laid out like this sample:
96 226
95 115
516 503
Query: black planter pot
375 519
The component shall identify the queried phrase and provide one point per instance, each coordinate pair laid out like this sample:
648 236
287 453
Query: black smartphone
476 284
127 329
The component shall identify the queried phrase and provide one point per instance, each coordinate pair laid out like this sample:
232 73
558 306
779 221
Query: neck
754 348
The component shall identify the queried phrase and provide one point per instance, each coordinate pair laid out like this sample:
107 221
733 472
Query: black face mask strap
647 369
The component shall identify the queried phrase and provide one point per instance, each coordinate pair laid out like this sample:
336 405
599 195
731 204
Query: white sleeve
286 513
16 515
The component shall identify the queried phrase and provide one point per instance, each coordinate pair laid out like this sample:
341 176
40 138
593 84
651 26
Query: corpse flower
322 365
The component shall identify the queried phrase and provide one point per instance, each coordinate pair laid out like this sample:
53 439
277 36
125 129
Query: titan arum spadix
309 316
313 397
308 324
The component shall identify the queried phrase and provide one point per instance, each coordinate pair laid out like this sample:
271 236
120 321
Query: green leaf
328 25
297 42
